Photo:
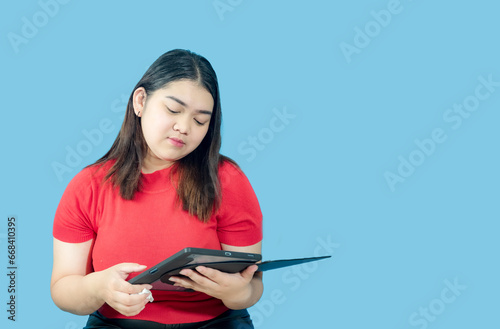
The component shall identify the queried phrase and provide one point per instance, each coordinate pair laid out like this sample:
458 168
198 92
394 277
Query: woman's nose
181 125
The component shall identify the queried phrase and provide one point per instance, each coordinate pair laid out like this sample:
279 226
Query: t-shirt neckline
157 181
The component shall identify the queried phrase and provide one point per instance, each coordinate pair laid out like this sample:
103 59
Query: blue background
320 177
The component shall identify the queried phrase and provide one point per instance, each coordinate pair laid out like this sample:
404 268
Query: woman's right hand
75 288
112 288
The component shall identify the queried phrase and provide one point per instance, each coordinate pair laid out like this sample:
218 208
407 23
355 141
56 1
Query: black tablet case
225 261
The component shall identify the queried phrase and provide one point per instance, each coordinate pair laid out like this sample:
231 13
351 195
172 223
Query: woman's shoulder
230 173
94 173
228 166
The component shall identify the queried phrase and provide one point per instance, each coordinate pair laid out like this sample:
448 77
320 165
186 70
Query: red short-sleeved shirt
152 227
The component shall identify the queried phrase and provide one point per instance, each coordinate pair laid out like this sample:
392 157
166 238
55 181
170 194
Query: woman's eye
199 123
172 111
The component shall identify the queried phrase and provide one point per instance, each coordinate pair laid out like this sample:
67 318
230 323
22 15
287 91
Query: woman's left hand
231 288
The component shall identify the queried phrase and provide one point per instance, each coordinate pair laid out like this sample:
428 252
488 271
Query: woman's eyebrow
184 104
177 100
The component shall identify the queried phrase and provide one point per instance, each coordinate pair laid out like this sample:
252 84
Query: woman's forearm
249 297
77 294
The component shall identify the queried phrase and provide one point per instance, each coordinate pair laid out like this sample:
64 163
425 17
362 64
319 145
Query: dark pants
231 319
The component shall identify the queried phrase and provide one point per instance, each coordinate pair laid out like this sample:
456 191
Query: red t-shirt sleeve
239 219
75 214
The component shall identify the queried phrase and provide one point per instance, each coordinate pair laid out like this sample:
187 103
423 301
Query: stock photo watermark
437 306
11 269
224 6
30 26
93 137
75 155
454 116
258 142
293 279
363 36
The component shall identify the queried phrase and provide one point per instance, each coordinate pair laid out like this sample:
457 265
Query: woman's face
174 121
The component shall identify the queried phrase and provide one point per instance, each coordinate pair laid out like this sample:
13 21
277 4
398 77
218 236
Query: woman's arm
256 286
75 289
237 291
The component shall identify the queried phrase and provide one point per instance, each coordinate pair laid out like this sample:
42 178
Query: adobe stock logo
293 277
92 138
266 135
85 147
426 147
223 6
30 27
437 306
363 36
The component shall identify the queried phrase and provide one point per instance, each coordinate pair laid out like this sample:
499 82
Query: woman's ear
139 100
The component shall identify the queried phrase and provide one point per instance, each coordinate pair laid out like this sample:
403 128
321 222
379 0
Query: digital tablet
225 261
190 258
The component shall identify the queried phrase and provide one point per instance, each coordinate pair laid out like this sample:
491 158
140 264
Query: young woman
162 186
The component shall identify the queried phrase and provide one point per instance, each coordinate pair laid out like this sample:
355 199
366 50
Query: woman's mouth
176 141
